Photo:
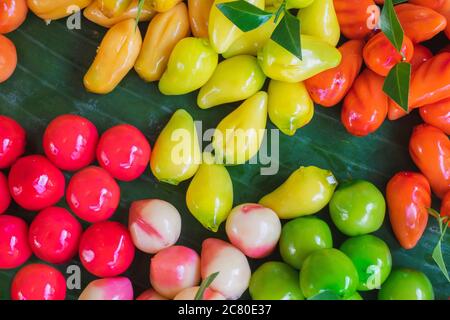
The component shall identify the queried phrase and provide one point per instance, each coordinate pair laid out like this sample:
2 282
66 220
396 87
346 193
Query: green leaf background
48 82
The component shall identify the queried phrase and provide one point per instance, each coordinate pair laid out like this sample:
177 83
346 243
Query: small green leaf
437 252
396 84
390 25
139 11
326 295
244 15
287 34
205 284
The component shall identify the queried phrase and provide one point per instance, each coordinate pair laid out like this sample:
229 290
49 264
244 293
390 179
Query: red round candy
70 142
14 248
93 195
5 197
124 151
54 235
12 141
106 249
35 183
38 282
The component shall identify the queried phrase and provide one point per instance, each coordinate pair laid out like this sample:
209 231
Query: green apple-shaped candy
406 284
372 259
328 270
302 236
275 281
357 208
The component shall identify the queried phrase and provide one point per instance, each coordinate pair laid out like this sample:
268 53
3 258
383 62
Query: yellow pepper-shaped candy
320 20
291 4
210 194
164 5
222 32
279 64
163 33
199 11
251 42
191 64
113 8
115 57
55 9
239 136
176 155
307 191
290 106
94 14
234 79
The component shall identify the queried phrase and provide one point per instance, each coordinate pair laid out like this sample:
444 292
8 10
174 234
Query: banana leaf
48 83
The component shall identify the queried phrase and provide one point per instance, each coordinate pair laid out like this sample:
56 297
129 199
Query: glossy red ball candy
14 248
35 183
5 197
106 249
38 282
93 195
70 142
54 235
124 151
12 141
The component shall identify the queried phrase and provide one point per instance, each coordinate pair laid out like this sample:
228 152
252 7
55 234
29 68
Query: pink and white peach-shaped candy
254 229
174 269
154 225
150 294
234 271
190 293
118 288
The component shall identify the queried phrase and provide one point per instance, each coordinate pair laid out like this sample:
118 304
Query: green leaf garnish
139 11
390 25
287 34
244 15
396 84
437 252
205 285
326 295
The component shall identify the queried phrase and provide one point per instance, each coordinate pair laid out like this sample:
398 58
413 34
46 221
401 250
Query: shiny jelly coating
38 281
70 142
14 248
93 195
124 152
106 249
5 197
12 141
35 183
54 235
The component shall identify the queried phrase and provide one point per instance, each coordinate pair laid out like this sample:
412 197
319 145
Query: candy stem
205 284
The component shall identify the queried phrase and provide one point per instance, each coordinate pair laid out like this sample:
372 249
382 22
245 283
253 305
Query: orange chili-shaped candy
365 106
445 205
198 16
357 18
421 54
420 23
408 198
430 83
437 5
429 148
381 56
330 87
437 115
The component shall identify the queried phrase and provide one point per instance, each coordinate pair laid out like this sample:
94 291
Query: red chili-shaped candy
5 197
